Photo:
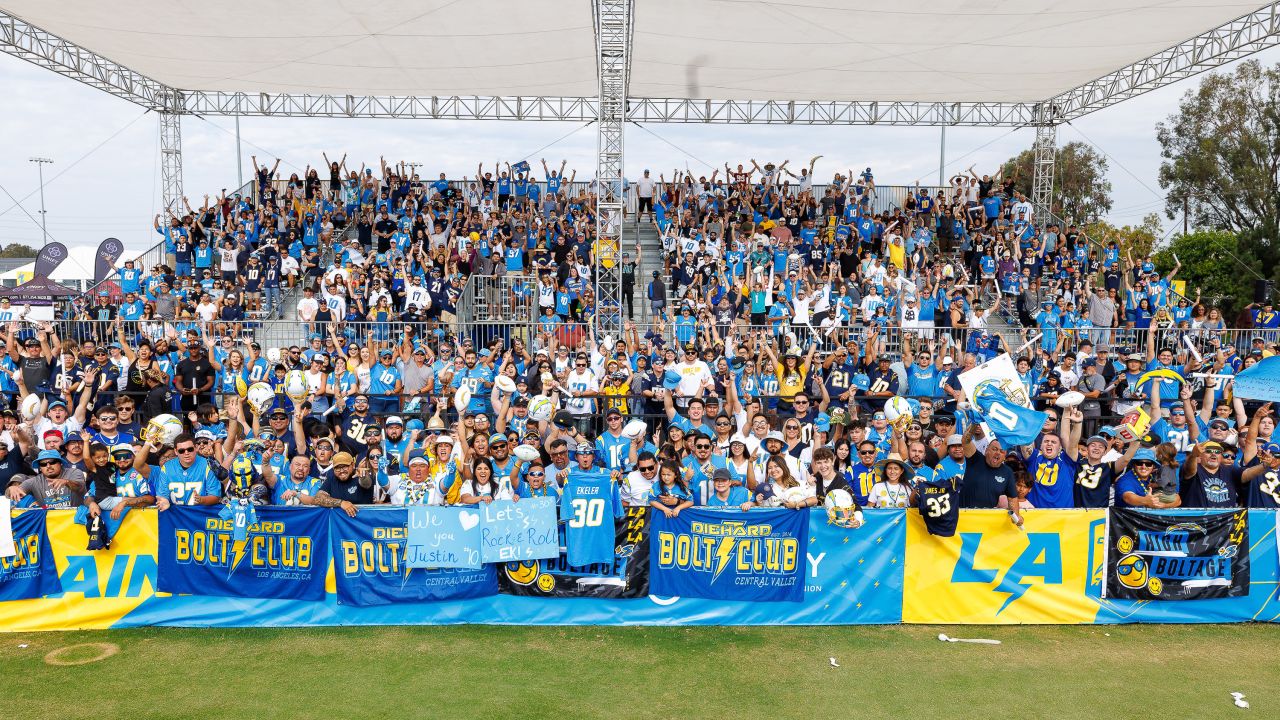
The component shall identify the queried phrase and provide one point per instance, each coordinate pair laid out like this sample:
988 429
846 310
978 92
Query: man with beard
478 379
343 490
1208 482
355 423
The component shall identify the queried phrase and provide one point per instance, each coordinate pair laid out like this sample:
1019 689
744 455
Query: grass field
631 673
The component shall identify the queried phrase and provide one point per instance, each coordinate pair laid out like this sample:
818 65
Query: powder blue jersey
588 506
182 485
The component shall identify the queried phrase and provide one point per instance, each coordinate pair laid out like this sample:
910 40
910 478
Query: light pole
40 163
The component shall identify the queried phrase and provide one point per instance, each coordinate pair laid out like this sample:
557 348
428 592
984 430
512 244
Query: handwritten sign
515 531
443 537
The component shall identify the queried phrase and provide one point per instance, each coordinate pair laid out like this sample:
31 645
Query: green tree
1222 151
18 250
1081 191
1140 240
1215 262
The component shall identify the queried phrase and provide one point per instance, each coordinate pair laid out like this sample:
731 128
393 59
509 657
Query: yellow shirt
616 396
790 384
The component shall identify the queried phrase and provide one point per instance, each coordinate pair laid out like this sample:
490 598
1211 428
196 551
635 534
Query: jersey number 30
587 513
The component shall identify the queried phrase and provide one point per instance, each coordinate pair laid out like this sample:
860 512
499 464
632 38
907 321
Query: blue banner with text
284 554
757 556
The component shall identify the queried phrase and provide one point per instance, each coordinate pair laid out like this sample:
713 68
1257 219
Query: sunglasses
647 468
722 424
866 452
537 474
47 463
185 450
1215 452
107 418
702 447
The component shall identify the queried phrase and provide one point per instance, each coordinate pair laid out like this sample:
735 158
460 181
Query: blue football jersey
588 506
182 485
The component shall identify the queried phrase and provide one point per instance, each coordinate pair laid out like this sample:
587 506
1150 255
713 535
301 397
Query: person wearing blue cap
52 486
1139 485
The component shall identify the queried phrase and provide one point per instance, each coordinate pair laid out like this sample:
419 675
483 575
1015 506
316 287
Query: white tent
76 272
871 50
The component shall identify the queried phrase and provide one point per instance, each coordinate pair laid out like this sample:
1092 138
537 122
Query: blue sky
105 178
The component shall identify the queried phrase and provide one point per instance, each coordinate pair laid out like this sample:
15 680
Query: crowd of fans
786 316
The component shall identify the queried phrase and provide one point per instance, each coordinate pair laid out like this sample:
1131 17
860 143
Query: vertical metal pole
613 20
44 228
239 157
942 158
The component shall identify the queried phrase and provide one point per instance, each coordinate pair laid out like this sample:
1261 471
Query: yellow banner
99 587
991 572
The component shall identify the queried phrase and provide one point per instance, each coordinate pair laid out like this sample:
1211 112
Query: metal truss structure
614 22
614 25
171 162
1045 151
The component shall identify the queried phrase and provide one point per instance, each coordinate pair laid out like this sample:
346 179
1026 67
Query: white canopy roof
971 50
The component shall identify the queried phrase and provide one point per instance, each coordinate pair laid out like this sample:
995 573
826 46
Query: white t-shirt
691 376
582 382
307 308
644 187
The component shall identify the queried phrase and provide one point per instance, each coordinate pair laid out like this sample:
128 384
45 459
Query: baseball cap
613 411
1219 423
1271 448
418 459
1146 454
394 420
586 448
497 438
1134 357
121 448
1097 438
948 360
204 435
954 439
721 474
343 458
1211 445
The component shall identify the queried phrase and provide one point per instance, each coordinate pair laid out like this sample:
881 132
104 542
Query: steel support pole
613 20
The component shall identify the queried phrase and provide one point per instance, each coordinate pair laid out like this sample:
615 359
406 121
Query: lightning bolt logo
724 551
1015 589
237 556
